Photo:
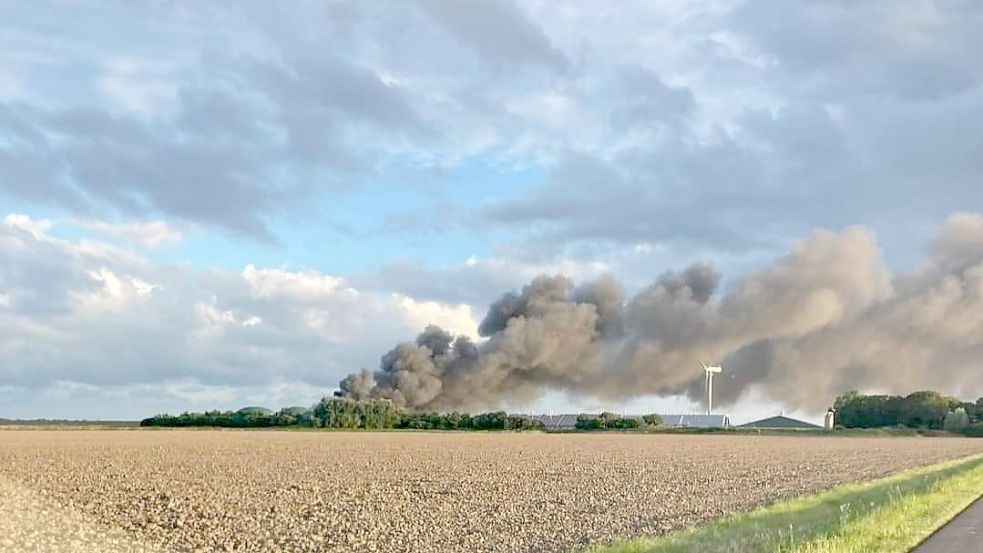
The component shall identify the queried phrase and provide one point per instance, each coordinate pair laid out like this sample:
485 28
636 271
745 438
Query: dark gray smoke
826 318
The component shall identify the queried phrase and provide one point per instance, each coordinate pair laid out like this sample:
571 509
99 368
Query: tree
606 421
523 423
489 421
923 409
289 416
623 423
587 422
652 420
956 421
848 409
336 412
970 409
453 420
926 409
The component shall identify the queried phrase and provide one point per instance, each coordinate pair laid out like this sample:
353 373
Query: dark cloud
645 99
637 199
499 32
841 49
724 127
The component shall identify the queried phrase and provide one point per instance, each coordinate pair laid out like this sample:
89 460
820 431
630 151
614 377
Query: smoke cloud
825 318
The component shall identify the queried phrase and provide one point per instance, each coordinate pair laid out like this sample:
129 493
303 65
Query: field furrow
430 492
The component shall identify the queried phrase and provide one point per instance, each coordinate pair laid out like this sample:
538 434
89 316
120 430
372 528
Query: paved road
963 535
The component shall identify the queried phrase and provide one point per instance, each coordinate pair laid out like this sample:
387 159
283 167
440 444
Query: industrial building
781 422
696 421
569 421
556 422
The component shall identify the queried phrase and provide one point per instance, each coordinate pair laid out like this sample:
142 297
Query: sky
218 204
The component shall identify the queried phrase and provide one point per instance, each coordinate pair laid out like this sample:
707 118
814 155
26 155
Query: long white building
569 421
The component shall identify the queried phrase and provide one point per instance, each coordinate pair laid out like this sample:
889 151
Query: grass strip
892 514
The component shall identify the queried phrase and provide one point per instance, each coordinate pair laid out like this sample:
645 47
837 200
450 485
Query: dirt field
318 491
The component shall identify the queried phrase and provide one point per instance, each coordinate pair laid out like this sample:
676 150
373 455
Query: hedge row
334 412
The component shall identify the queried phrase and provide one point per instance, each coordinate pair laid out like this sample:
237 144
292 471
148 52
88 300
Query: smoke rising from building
825 318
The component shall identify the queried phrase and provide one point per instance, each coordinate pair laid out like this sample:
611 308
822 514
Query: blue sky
212 204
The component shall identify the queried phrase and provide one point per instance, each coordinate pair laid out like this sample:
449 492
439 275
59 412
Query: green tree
337 412
848 409
652 420
956 421
453 421
489 421
523 423
926 409
587 422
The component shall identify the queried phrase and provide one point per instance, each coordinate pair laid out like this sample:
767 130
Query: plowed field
183 491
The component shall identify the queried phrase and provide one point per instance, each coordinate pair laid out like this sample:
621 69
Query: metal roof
569 421
696 421
557 422
780 421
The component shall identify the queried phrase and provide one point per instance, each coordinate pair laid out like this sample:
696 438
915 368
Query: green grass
892 514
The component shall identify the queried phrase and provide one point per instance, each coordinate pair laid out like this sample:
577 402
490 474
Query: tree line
497 420
345 413
612 421
247 417
924 409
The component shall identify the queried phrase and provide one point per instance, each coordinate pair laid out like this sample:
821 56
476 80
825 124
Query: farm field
183 491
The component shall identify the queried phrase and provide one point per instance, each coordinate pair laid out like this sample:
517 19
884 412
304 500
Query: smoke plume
825 318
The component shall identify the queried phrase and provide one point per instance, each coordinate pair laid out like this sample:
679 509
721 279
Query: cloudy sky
214 204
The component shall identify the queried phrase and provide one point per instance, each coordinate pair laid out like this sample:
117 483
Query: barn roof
779 421
557 422
696 421
568 421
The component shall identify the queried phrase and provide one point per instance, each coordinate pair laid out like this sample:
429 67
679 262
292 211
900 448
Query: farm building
781 422
696 421
557 422
569 421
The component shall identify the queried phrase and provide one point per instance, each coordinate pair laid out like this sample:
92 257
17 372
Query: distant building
557 422
569 422
781 422
696 421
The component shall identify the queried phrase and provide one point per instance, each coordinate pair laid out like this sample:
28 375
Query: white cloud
143 288
211 318
304 285
35 227
149 235
458 319
81 320
113 292
252 321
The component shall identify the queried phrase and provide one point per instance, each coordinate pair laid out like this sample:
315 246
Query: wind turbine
710 371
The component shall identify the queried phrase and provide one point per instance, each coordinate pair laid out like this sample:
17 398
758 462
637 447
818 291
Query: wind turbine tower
710 371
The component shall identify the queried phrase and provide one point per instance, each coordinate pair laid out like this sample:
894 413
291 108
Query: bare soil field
183 491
